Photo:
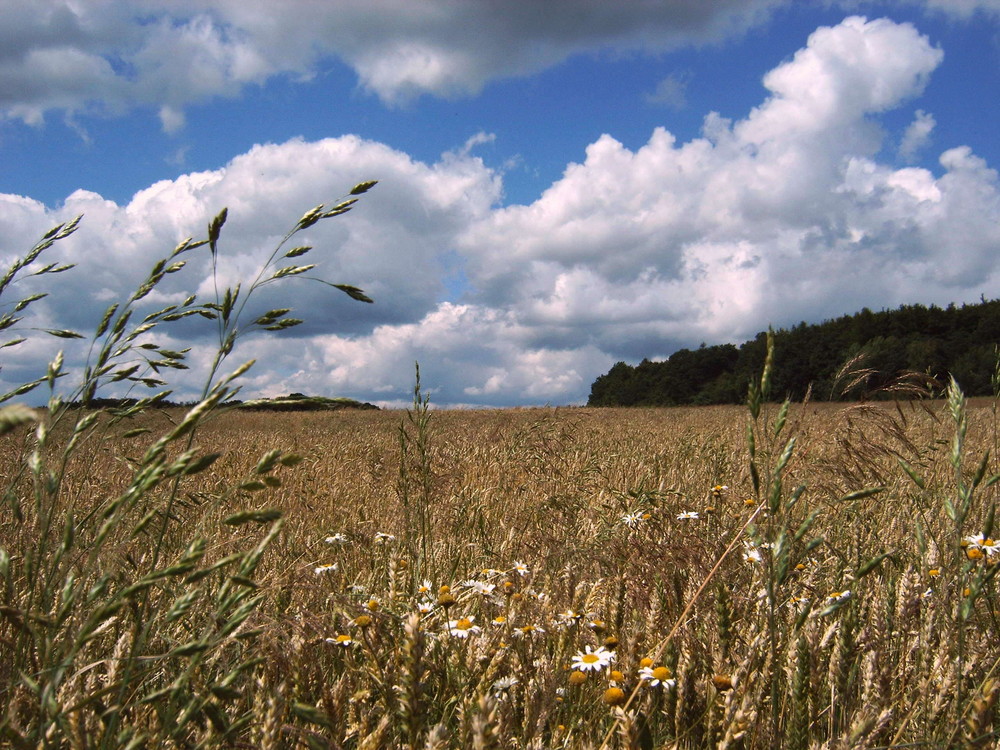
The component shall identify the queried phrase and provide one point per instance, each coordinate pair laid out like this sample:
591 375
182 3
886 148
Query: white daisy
463 626
593 659
657 676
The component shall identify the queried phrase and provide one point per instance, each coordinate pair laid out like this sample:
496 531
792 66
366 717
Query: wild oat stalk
87 573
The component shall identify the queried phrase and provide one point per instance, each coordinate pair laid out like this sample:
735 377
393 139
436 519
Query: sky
562 184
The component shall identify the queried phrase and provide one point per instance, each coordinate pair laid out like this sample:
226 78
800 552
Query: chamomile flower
987 546
337 538
569 617
382 538
425 607
520 568
527 630
327 568
837 597
718 489
795 602
632 519
657 677
593 660
614 696
687 515
751 554
503 685
344 641
463 627
480 587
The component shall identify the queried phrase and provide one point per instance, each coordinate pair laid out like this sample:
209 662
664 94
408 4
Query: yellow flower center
577 678
590 658
645 662
614 696
463 623
661 673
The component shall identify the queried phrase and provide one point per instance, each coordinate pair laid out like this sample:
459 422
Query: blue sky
562 185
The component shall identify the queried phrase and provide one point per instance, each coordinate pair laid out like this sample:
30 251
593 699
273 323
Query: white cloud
671 91
784 215
763 220
965 8
391 246
917 135
56 54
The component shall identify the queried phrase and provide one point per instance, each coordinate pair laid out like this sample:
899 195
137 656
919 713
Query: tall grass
125 609
781 575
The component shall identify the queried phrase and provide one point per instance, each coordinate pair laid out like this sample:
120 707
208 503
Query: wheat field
518 578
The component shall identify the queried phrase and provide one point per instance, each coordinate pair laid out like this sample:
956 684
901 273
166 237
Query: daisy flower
425 587
480 587
344 641
382 538
614 696
687 515
593 659
751 554
520 568
569 617
328 568
987 546
839 596
657 677
527 630
463 626
633 519
337 538
501 686
425 607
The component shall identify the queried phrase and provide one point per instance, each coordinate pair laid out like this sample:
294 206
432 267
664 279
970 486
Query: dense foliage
850 357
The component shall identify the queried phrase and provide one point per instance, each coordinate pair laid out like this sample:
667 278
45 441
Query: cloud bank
111 55
784 215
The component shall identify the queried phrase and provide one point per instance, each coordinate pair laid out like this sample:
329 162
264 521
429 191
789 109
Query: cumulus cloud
391 247
783 215
917 135
671 91
56 54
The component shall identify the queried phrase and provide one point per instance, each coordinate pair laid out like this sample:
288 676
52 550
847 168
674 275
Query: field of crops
815 576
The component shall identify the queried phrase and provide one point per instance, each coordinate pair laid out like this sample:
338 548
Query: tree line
851 357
